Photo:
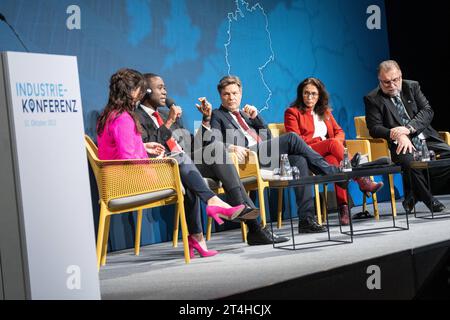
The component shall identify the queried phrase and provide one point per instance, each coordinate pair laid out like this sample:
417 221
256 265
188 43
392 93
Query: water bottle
285 167
425 152
346 165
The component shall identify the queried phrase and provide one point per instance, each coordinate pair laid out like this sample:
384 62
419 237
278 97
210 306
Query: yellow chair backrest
445 135
361 128
277 129
378 146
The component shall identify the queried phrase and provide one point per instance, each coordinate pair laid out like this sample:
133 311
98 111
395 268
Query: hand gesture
205 107
251 111
174 113
154 149
404 145
240 152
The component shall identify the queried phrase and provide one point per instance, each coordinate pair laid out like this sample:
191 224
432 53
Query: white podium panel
51 178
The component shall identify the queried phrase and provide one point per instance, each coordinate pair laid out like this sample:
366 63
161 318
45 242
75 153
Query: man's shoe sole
253 214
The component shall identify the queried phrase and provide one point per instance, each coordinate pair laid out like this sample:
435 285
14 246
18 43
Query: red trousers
333 152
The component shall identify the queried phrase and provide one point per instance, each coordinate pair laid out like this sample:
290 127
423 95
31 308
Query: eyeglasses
389 82
312 94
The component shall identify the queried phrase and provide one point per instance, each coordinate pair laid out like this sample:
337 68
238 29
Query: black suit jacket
382 115
224 125
153 134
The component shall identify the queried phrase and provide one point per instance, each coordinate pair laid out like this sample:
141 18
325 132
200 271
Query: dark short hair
227 80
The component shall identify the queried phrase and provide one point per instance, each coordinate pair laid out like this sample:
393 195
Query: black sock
252 225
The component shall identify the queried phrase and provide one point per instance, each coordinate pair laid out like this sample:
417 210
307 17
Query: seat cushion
139 200
248 180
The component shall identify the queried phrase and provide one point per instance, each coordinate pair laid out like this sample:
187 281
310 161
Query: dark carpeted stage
403 264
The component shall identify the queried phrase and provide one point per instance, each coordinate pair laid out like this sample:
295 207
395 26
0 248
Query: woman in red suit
310 117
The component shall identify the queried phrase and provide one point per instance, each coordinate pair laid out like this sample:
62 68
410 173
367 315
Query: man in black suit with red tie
398 111
164 126
244 129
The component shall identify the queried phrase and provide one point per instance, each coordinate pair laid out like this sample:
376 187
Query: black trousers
220 167
196 189
439 177
301 156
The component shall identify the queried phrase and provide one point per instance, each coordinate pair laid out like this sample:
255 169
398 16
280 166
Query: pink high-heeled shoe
216 212
193 244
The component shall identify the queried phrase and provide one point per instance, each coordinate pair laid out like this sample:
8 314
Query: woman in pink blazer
119 137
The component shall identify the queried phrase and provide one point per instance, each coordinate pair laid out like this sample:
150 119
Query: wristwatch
411 129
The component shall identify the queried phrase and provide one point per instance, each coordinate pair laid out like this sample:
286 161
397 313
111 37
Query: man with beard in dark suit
398 111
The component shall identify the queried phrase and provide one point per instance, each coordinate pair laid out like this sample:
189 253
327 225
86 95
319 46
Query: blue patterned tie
417 142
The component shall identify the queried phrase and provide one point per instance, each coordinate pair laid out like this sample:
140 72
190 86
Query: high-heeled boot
193 244
217 213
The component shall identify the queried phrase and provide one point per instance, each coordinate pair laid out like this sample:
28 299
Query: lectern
47 246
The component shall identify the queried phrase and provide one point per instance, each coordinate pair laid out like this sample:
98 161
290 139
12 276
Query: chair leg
262 206
391 187
176 223
364 202
280 208
184 232
137 240
208 229
375 204
244 231
325 197
318 206
100 233
105 240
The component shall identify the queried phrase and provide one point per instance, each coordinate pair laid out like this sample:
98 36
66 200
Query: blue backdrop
271 45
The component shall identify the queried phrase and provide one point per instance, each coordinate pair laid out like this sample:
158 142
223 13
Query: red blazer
302 123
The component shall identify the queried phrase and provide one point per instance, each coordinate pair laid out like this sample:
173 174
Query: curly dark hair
322 107
121 84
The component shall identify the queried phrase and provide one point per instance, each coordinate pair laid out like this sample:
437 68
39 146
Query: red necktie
171 143
247 129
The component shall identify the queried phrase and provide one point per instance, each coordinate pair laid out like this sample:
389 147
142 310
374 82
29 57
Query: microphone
2 18
170 102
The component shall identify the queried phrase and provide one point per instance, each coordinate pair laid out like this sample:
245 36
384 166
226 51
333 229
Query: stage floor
160 272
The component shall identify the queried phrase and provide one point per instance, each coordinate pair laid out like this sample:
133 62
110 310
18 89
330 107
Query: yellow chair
129 185
445 135
278 129
378 148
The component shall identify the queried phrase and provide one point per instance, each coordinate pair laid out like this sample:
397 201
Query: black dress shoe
309 225
248 213
264 236
408 205
436 205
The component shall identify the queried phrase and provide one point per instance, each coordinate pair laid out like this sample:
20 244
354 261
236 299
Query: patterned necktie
171 143
246 128
417 142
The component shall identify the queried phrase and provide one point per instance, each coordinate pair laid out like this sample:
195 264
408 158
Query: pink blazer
120 139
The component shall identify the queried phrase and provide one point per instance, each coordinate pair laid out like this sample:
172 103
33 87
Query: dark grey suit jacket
382 115
153 134
225 126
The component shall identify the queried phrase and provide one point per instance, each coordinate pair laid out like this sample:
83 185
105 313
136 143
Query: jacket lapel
148 120
391 107
228 116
